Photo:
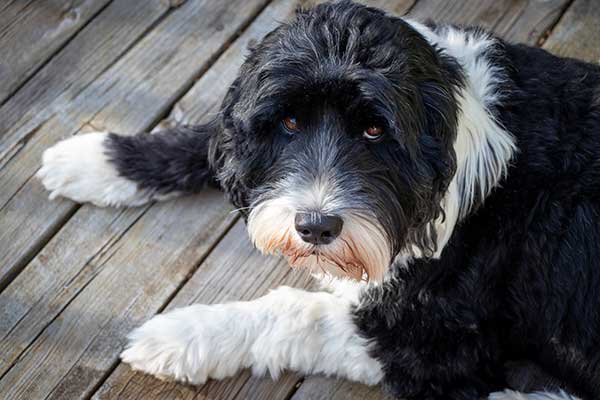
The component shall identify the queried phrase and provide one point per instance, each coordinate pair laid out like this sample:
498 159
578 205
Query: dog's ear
238 152
226 147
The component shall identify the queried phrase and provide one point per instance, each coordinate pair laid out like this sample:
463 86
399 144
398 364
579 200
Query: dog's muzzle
351 243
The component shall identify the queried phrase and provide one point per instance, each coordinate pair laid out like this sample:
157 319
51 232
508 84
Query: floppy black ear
167 162
228 143
238 154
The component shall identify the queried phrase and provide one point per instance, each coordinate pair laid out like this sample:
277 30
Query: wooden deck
75 279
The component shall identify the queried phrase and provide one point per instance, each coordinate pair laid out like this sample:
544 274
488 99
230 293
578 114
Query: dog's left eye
373 133
291 124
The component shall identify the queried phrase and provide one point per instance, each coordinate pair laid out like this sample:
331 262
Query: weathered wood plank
55 276
31 32
520 21
128 97
578 32
528 21
512 20
39 107
322 388
233 271
96 47
150 260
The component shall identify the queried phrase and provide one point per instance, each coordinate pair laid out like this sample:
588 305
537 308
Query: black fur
517 284
520 277
174 160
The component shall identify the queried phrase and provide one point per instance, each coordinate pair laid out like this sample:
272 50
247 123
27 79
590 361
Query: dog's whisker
235 210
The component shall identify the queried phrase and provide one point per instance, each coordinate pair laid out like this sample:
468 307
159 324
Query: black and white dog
452 178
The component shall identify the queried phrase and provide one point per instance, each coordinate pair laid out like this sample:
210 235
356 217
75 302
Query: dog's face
336 140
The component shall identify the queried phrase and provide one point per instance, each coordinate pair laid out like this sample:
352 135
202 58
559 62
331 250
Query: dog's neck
483 147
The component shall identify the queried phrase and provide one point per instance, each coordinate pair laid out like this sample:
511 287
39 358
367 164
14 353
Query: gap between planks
41 42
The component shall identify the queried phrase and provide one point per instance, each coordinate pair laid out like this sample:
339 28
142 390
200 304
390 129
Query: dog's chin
334 259
361 252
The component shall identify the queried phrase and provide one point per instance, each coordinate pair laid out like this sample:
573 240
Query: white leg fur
345 287
308 332
512 395
78 168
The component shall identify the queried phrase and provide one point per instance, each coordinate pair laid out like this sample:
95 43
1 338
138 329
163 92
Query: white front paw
79 169
189 345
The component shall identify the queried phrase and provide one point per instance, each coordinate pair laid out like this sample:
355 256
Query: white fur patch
78 168
512 395
361 251
483 147
287 329
344 287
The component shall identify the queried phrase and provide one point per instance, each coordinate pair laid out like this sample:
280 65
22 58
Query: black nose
317 228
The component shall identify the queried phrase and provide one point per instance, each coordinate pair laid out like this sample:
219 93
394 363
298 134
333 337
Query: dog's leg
308 332
347 288
111 170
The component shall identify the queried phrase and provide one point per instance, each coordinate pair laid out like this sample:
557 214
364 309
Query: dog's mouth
335 258
361 251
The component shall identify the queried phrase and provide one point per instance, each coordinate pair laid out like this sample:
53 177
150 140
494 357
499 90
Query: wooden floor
75 279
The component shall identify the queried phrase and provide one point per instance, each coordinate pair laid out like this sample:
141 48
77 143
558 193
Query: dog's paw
188 345
78 168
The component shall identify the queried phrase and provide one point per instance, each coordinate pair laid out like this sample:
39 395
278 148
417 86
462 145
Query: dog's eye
291 124
373 133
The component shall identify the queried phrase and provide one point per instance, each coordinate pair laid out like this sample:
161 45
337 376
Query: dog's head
336 139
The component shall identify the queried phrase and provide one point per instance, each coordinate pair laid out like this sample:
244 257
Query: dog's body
461 174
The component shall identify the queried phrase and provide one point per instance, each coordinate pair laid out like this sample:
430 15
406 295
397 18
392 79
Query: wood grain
94 49
115 290
31 32
522 21
578 32
128 97
322 388
41 107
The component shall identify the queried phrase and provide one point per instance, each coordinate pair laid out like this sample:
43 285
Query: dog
441 183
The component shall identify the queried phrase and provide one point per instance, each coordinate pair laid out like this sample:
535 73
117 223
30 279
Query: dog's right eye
290 123
373 133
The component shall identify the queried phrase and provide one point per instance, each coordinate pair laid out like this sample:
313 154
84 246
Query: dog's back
544 219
